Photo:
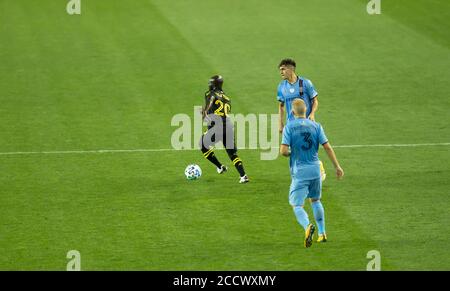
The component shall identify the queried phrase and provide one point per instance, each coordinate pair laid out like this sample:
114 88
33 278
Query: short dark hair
287 62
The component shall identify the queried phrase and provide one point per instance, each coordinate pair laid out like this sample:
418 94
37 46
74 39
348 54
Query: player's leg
297 196
237 162
207 147
230 146
315 193
319 216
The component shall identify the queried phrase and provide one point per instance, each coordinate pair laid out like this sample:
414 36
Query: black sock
210 156
237 162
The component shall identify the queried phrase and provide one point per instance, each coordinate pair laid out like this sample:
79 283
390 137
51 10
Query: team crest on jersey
292 90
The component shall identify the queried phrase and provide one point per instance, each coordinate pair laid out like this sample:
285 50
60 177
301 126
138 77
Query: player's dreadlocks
215 83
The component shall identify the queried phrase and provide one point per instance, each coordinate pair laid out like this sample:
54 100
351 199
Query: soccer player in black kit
220 128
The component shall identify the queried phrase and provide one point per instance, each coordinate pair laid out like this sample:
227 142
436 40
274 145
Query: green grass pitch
113 77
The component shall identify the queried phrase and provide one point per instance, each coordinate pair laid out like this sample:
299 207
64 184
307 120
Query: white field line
168 150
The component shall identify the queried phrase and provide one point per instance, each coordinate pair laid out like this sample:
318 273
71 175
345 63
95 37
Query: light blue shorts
300 190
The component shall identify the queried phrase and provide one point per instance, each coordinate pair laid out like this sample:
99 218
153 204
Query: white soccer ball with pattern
193 172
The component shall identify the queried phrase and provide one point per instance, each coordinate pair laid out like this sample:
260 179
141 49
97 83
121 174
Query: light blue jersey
287 92
303 136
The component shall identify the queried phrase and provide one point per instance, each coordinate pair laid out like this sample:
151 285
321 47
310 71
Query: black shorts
219 129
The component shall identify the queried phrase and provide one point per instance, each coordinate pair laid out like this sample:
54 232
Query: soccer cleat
244 179
323 175
322 238
222 169
309 235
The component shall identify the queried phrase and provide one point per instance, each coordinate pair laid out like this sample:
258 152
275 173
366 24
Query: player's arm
314 106
330 152
312 93
207 106
285 142
281 116
280 99
284 150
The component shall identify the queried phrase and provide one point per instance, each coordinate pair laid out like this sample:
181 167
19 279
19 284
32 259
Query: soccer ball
193 172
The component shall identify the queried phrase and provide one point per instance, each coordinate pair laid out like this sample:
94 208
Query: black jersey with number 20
221 104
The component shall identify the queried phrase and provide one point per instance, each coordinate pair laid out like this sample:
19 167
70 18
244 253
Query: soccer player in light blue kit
293 87
303 137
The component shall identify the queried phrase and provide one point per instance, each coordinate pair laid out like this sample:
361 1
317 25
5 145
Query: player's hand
206 118
312 117
339 173
280 127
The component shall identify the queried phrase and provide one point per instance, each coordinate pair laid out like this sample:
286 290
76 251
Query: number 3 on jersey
223 109
307 139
